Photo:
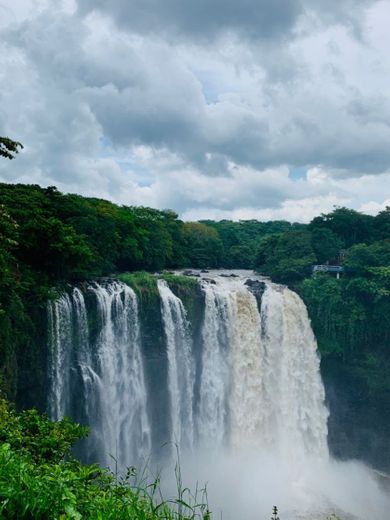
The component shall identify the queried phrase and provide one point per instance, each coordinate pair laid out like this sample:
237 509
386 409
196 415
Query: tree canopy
9 148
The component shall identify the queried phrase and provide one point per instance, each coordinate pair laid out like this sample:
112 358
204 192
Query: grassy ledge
145 284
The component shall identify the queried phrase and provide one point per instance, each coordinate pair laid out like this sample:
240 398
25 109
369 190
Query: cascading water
253 365
248 353
253 362
240 392
214 378
294 393
123 427
60 314
181 367
100 380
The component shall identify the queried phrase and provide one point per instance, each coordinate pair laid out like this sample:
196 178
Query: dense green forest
48 239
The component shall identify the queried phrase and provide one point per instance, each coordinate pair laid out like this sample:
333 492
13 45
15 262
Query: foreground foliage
40 479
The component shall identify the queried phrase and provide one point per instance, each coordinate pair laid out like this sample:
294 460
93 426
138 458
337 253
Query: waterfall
294 393
60 347
104 376
123 428
250 379
181 367
260 384
248 361
231 377
214 380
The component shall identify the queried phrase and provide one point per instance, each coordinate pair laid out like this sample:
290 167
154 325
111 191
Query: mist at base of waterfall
246 485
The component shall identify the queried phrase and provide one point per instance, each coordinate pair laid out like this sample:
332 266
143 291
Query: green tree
349 225
241 239
156 242
361 258
203 247
382 223
326 244
241 256
286 257
9 148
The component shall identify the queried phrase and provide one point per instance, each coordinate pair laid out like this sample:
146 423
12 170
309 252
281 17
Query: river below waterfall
237 395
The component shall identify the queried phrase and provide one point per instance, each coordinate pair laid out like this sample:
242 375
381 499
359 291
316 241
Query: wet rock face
188 272
210 280
257 287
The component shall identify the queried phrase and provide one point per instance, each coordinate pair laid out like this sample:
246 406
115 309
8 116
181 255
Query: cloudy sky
215 108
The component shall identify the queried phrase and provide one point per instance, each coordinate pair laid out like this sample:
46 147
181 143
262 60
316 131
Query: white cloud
108 108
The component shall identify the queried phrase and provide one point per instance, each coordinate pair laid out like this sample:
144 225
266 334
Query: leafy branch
9 148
